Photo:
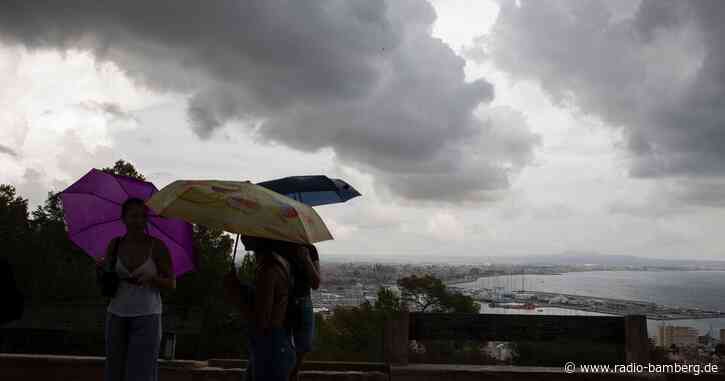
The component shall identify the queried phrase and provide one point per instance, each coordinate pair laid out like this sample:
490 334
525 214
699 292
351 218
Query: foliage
429 294
350 334
388 302
221 327
459 303
124 168
356 333
422 293
46 263
14 216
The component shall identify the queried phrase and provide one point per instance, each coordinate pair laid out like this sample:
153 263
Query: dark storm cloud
364 78
658 72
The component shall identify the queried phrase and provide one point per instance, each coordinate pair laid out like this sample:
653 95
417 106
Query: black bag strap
114 251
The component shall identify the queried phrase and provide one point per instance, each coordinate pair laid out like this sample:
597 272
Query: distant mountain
571 258
585 258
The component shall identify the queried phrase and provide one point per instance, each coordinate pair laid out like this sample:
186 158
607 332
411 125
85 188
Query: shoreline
559 273
601 305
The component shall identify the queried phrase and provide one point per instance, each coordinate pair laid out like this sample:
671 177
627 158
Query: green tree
124 168
422 293
222 328
15 234
351 334
51 212
13 215
62 271
388 302
429 294
457 302
355 333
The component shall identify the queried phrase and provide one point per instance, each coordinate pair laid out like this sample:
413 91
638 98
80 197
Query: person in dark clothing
271 353
14 300
277 263
305 263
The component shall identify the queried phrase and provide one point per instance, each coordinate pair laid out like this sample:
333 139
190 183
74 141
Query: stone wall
76 368
15 367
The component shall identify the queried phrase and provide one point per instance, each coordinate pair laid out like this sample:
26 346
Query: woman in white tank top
133 321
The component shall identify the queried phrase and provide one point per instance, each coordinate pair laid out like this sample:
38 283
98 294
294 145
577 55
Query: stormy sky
472 127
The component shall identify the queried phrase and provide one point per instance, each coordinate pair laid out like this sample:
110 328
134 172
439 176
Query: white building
679 336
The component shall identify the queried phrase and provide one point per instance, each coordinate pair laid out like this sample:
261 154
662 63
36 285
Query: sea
692 289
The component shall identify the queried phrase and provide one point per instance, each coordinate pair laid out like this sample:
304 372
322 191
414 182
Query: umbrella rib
94 225
169 236
94 195
120 184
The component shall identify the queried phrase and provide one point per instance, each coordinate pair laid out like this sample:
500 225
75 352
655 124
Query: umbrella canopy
92 207
313 190
240 207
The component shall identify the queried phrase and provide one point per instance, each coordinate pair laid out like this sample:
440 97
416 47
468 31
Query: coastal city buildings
679 336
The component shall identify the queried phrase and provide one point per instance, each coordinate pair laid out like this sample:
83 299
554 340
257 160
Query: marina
609 293
537 301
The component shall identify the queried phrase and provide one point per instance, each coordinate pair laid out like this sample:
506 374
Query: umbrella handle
234 256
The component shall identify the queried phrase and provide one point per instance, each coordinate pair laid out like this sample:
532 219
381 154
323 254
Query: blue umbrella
312 190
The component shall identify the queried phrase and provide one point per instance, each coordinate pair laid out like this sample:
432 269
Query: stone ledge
86 368
60 360
331 366
343 376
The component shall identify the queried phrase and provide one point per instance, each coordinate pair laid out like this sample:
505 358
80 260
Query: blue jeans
271 357
132 347
304 336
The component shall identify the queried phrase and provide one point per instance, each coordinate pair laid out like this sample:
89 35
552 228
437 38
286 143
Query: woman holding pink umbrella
138 253
133 323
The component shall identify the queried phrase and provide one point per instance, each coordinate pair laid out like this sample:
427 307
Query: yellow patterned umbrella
240 207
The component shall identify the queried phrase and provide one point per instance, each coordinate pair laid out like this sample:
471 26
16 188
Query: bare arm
165 278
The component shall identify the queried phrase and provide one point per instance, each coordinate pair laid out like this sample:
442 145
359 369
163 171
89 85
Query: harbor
530 301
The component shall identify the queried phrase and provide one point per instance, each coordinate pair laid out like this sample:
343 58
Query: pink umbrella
92 207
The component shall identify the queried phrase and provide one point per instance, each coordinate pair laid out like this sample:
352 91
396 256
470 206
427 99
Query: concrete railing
17 367
22 367
329 366
627 333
